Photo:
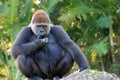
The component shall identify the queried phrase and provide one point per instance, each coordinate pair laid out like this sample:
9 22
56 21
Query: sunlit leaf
93 56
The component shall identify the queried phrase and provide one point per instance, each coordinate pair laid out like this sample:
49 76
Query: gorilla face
41 29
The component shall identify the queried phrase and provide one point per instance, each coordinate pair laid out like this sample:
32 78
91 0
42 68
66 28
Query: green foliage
3 58
50 5
114 68
104 22
26 13
92 24
14 9
4 9
14 73
101 48
79 10
97 20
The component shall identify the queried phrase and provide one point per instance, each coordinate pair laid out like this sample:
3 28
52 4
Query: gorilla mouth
42 36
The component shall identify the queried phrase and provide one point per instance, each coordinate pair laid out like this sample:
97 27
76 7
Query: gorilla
45 51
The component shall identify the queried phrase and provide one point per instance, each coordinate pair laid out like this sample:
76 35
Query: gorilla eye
38 26
44 25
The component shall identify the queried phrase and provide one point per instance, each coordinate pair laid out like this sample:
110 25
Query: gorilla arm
21 44
70 47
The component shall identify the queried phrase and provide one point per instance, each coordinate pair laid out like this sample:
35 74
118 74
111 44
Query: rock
91 75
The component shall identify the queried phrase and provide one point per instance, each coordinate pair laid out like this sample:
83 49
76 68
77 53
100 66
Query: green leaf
104 22
49 5
4 10
3 58
26 14
14 9
81 10
15 29
100 47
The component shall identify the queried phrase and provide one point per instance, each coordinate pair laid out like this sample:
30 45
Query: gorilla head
40 24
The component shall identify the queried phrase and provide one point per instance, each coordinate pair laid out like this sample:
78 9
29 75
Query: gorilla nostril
41 31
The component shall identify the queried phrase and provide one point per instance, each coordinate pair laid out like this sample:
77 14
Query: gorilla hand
41 42
45 40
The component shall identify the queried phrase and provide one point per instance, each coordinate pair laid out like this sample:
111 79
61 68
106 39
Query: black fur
46 60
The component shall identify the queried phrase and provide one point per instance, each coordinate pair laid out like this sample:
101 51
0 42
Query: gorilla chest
51 52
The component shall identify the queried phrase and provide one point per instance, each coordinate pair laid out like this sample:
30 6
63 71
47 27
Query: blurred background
94 25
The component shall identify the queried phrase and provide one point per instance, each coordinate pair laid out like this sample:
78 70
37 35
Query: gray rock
91 75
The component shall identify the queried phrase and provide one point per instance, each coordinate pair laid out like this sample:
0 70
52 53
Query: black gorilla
43 51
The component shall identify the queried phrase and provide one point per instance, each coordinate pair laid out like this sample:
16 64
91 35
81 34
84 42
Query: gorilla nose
41 31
